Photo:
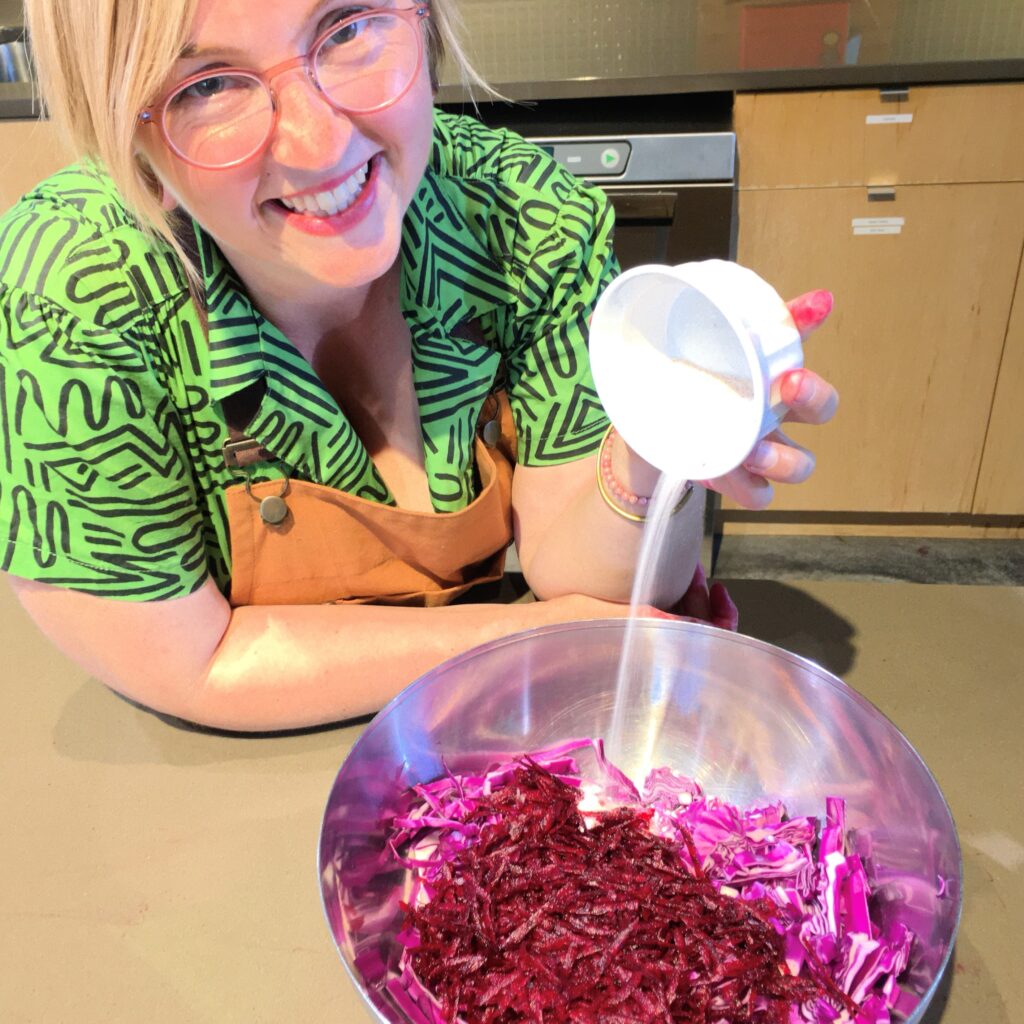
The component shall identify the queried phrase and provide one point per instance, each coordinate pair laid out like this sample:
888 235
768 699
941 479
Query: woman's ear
156 188
168 200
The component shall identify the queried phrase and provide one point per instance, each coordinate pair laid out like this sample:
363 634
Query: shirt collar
234 327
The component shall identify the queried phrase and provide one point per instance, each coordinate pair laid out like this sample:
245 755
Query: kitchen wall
538 41
947 30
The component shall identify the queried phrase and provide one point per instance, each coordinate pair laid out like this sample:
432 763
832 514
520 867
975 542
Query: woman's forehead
242 26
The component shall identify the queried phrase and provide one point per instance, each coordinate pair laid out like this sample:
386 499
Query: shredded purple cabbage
807 868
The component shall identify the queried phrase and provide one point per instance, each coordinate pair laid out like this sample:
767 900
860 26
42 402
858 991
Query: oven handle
643 208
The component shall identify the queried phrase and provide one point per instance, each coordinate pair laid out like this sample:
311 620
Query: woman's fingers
696 603
724 613
775 459
811 399
780 459
711 604
749 490
810 310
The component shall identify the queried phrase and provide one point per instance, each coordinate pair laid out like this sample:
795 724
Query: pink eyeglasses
362 64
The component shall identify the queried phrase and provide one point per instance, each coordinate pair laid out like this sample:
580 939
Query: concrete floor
904 559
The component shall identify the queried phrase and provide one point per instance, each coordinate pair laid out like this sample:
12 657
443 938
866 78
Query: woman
269 354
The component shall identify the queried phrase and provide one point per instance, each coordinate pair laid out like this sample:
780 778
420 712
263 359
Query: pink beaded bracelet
611 490
615 495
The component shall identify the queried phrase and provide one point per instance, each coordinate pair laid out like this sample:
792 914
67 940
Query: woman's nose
309 131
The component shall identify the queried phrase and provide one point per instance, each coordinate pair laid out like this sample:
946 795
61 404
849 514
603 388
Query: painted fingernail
822 302
764 456
797 388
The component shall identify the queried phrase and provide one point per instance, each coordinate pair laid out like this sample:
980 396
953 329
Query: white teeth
326 204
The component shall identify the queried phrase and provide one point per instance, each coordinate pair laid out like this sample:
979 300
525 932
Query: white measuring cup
686 361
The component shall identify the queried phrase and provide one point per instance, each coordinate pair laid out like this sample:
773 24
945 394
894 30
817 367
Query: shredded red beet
545 920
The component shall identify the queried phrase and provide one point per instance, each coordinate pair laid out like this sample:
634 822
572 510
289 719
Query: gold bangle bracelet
602 486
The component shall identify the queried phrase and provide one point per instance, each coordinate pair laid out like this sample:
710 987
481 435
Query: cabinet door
29 152
1001 481
959 133
796 139
914 342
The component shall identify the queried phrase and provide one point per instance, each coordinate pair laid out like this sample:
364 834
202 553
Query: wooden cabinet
29 152
921 344
915 340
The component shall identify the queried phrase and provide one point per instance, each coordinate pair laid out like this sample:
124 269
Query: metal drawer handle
647 207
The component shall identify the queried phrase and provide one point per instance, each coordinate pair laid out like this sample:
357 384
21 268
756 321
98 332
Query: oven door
672 224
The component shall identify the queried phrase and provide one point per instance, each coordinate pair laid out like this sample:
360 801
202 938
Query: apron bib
334 547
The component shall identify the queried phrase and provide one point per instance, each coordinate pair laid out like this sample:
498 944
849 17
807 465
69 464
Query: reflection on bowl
746 720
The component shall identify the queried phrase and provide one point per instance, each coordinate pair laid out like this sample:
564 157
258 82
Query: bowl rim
671 625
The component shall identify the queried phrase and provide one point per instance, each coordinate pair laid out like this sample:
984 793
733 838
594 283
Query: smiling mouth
329 204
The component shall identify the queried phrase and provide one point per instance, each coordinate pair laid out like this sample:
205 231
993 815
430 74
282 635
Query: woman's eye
344 33
212 87
207 87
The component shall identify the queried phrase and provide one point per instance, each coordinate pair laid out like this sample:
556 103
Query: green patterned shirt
112 475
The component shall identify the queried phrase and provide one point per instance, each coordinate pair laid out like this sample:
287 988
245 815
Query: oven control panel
685 157
606 158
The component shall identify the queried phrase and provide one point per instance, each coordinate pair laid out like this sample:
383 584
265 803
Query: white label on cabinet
878 225
889 118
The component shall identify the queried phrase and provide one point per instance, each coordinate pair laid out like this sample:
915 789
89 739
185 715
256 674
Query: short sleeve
95 490
564 253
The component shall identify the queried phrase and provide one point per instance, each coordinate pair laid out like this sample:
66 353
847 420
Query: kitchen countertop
158 873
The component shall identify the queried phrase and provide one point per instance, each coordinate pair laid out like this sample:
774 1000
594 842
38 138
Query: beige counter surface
158 874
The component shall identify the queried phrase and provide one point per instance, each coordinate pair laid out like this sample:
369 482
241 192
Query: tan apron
333 547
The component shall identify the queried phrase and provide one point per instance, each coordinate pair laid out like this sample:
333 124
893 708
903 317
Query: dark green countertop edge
881 75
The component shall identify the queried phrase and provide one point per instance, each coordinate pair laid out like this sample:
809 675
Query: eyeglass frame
155 112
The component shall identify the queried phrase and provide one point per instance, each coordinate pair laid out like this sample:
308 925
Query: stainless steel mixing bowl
743 718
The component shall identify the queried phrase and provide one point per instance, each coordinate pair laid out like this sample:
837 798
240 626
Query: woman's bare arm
270 667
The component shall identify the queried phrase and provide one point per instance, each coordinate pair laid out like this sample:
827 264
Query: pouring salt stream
705 398
683 359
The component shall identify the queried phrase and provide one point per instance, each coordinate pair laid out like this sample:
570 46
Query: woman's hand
811 399
712 605
701 603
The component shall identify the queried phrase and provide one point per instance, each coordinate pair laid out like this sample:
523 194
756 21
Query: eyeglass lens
361 66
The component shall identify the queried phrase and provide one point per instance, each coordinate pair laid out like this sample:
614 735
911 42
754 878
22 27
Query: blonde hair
99 62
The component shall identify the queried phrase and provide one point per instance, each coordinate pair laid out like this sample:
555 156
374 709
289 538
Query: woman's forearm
280 667
262 668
